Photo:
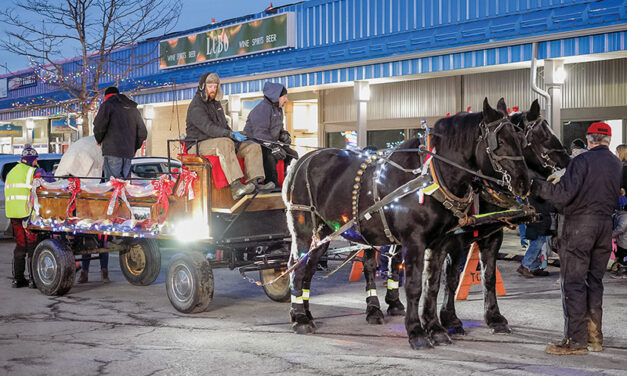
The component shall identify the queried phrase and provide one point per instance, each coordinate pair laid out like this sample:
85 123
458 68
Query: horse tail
287 182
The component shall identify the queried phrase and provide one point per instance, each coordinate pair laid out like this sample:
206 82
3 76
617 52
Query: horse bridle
491 137
543 154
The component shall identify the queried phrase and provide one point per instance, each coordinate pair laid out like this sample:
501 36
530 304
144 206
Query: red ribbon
187 180
119 190
74 187
163 186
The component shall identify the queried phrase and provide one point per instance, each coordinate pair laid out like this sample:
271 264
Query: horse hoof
457 330
395 311
441 339
303 328
420 343
375 318
500 329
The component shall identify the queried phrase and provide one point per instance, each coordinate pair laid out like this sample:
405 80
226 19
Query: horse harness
545 160
429 180
491 137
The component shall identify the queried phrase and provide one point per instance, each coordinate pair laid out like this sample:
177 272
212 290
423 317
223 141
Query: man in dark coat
206 123
588 193
265 123
120 130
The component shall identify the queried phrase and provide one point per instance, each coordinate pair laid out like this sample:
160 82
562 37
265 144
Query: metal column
362 96
554 76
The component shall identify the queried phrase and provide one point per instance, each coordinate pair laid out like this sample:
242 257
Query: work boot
105 275
540 273
524 272
19 283
566 347
265 187
31 282
621 272
595 337
238 190
84 277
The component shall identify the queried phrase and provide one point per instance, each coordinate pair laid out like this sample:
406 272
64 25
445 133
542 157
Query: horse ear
489 114
501 106
534 111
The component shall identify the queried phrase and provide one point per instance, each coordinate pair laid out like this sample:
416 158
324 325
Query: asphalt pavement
120 329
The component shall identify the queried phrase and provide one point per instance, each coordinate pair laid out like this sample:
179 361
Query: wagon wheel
53 267
279 291
189 283
141 263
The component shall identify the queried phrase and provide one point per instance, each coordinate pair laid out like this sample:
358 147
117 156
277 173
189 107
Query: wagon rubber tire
280 290
141 263
54 267
189 282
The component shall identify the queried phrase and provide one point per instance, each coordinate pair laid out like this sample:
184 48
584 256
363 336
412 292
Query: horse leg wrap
395 307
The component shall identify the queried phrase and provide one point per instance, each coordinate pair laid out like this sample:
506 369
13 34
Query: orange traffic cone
471 276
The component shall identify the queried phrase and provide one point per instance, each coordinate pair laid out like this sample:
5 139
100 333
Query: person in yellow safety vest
17 188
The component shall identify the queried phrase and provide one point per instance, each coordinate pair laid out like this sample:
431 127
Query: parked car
48 162
152 167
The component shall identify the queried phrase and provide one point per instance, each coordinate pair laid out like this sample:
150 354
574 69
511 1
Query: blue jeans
116 167
104 261
537 254
523 233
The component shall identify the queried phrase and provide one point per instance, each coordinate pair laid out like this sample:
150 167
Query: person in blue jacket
265 124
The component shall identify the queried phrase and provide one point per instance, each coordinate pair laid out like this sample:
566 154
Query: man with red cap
587 193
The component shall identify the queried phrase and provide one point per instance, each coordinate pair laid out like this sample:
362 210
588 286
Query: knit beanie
112 90
29 154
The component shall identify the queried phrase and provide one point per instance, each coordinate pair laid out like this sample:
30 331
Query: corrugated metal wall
588 85
399 100
512 85
591 84
595 84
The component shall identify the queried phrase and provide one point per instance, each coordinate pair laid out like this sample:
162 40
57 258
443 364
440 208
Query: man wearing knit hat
120 130
265 123
588 193
17 187
207 124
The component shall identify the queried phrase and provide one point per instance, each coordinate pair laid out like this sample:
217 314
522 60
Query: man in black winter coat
120 130
265 123
588 193
206 123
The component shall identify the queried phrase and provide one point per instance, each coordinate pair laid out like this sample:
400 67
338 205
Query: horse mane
457 131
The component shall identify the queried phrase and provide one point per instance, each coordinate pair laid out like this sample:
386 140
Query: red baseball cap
601 128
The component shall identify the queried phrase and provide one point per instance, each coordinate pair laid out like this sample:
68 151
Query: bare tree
102 34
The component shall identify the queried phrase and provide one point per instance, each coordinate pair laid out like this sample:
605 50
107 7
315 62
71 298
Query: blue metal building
417 59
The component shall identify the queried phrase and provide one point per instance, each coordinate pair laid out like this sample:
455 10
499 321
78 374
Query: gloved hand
237 136
285 137
556 176
278 153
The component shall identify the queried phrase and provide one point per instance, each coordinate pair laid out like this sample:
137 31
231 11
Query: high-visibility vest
17 191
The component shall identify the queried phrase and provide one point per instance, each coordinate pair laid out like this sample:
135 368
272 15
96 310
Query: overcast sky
195 13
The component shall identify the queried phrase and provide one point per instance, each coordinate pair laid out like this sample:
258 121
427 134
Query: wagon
188 210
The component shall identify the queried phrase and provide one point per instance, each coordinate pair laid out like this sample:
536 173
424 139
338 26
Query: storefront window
573 130
417 133
387 139
342 140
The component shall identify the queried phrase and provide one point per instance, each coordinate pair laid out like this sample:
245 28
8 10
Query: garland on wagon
160 189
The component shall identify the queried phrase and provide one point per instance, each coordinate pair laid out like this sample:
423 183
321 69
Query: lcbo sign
260 35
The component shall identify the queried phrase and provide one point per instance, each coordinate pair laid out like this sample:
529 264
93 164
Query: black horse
544 154
331 189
